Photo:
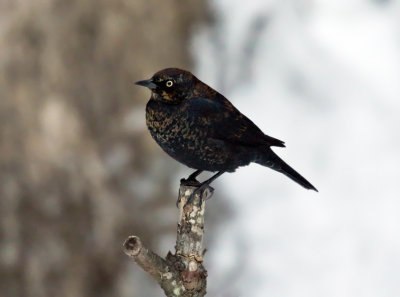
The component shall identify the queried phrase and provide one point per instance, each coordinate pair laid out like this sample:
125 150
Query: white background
324 76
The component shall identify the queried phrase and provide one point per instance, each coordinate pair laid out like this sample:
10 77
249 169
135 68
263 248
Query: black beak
148 83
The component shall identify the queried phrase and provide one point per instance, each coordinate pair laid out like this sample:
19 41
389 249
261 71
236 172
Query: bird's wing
225 122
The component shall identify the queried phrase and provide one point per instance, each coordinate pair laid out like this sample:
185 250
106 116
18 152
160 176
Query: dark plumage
200 128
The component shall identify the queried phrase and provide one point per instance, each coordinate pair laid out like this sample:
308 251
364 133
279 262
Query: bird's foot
199 190
201 187
191 182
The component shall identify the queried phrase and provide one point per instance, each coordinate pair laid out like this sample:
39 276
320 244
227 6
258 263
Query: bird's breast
187 139
170 128
178 135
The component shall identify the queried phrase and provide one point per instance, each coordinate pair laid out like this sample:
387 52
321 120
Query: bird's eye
169 83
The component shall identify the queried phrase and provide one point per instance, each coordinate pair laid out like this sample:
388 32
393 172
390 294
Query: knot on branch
132 246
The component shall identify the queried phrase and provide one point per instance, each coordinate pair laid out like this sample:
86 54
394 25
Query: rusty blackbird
200 128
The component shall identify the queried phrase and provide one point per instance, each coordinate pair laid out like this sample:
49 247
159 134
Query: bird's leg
203 186
191 180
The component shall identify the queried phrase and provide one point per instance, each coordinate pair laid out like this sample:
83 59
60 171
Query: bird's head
171 85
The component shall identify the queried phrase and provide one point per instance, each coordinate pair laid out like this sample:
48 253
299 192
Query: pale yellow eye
169 83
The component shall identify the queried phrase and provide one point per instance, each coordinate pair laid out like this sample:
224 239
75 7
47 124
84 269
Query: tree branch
182 273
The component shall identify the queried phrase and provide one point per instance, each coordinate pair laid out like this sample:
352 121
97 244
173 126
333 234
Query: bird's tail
269 159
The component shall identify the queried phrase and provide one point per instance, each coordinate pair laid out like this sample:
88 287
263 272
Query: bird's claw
190 182
200 190
195 192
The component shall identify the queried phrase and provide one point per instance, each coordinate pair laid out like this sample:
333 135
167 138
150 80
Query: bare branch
182 273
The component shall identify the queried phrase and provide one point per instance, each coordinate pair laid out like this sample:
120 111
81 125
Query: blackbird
200 128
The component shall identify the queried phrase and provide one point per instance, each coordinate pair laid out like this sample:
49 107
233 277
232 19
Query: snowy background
324 76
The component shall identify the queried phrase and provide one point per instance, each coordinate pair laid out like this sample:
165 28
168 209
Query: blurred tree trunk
77 166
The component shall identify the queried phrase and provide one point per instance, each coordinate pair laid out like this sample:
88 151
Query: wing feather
223 121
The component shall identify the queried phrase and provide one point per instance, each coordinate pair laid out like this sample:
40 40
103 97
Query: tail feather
274 141
269 159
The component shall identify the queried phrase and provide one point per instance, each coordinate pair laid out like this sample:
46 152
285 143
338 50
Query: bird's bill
148 83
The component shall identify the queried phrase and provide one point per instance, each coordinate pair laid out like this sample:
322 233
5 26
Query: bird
200 128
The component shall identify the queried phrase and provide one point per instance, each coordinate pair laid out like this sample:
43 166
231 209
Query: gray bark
181 273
